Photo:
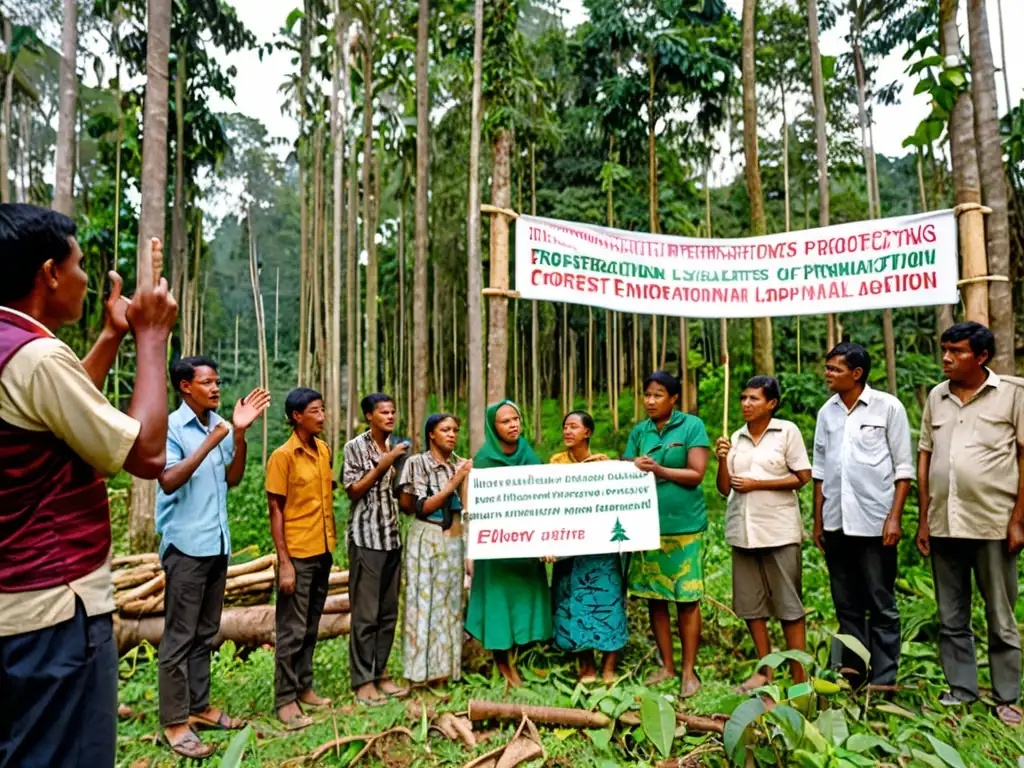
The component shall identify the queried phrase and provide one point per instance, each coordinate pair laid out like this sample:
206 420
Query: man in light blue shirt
205 456
863 466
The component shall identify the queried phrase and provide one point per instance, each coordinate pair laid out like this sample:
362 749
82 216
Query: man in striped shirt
374 549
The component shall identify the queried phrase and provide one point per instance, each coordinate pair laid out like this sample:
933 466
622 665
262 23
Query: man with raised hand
972 512
205 457
58 437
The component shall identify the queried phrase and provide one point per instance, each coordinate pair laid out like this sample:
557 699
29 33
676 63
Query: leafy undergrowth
820 725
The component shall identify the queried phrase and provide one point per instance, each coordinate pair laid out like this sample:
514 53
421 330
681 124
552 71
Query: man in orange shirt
300 495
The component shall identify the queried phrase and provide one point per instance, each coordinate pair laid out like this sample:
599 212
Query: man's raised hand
250 408
115 315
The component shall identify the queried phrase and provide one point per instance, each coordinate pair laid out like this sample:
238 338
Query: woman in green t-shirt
674 447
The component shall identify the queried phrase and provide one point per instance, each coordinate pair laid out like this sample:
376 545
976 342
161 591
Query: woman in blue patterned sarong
588 592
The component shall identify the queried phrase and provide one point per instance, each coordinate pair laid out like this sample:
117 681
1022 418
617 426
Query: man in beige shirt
58 437
972 512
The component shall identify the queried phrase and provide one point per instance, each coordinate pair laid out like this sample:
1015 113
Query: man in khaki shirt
58 435
972 512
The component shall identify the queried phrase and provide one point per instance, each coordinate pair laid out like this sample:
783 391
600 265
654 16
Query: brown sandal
191 747
222 723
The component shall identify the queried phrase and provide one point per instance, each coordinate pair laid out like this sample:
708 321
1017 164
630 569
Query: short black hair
855 356
585 419
370 402
432 422
29 237
185 369
299 400
977 335
667 380
769 387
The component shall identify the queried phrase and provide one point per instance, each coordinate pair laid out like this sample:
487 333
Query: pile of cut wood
248 617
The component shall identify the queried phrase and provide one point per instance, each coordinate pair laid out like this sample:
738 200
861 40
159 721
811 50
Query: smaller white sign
561 510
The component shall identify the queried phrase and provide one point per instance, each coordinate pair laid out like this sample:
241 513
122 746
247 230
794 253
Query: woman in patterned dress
434 555
588 592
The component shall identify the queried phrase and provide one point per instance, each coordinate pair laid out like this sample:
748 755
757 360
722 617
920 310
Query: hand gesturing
249 408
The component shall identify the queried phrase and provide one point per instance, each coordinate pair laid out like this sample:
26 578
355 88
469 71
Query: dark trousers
995 571
862 574
373 579
298 623
193 600
58 695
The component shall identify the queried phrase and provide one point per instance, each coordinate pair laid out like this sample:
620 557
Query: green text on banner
904 261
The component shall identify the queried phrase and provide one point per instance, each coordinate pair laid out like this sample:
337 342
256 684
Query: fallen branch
570 718
701 724
131 577
369 738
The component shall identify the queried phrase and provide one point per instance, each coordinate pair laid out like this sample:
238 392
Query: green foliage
659 722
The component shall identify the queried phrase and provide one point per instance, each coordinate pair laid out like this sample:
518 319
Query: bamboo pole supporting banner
724 334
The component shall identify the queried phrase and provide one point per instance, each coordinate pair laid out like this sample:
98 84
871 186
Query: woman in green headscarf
509 600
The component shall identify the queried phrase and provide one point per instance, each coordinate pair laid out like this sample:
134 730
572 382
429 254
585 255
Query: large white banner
898 262
561 510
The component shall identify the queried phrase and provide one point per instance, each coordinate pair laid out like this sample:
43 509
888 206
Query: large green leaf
742 717
790 722
236 749
855 646
601 737
832 724
862 742
659 722
948 754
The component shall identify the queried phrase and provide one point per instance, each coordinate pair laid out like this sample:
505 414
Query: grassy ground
809 730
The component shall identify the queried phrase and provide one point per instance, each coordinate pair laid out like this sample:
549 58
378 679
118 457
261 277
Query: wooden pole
571 718
277 311
236 347
724 333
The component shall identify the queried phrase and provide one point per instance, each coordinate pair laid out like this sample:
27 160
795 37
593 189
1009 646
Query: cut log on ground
259 564
571 718
338 579
249 579
148 557
701 724
155 584
127 578
243 626
337 603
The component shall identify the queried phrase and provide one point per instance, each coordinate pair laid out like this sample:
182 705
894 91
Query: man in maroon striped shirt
58 437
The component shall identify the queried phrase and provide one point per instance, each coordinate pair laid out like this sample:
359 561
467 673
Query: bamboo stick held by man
58 437
205 456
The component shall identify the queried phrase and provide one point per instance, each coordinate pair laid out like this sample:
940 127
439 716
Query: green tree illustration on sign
618 532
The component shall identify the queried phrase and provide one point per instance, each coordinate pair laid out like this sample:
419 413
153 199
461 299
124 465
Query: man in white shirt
862 471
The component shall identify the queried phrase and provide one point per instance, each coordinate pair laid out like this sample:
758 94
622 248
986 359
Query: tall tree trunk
142 534
785 157
419 299
403 378
64 182
179 247
993 185
277 309
535 314
315 261
24 142
497 315
261 325
966 177
369 226
352 418
5 123
339 119
821 140
1002 54
303 158
862 117
474 274
761 336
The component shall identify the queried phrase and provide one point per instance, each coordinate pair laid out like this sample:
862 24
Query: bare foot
369 695
753 682
689 687
588 672
510 674
608 675
660 675
309 697
291 715
390 688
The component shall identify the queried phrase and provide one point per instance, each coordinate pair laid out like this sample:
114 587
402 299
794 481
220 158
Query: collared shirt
680 509
766 518
44 388
424 476
973 475
305 480
859 454
194 518
373 519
